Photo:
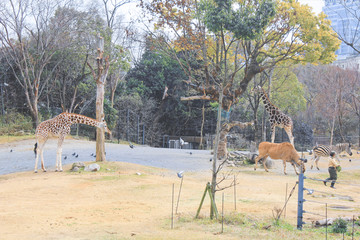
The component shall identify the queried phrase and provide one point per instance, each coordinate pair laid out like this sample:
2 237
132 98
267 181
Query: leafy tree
149 78
286 91
218 35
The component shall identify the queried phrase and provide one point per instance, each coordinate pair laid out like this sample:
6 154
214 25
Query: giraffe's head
104 126
257 89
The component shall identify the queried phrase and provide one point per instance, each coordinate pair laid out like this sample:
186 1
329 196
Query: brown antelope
284 151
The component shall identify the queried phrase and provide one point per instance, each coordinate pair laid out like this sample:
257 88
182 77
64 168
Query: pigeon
77 155
130 145
180 174
92 155
74 154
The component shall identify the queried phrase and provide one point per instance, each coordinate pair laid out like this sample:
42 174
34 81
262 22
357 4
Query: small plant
339 226
276 215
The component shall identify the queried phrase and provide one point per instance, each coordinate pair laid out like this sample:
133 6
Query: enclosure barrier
301 201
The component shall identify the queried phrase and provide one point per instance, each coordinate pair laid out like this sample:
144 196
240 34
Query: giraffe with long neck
59 126
276 117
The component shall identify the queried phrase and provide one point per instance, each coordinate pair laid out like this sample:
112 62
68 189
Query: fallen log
322 222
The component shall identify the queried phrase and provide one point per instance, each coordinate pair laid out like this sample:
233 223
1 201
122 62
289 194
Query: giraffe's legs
39 151
36 159
42 159
289 133
272 134
59 153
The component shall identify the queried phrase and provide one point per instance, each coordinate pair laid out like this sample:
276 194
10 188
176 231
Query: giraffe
276 117
59 126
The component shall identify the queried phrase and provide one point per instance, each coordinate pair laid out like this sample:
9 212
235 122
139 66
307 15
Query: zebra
324 151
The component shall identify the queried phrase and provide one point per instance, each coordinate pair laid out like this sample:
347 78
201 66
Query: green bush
12 123
339 226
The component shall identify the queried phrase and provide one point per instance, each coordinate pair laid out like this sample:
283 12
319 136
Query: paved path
22 157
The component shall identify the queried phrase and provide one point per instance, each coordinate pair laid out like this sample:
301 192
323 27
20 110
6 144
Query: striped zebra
324 151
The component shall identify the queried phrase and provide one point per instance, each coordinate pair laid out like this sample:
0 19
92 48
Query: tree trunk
100 133
217 140
332 131
226 127
100 77
201 146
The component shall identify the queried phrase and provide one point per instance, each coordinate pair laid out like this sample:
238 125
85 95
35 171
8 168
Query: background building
344 16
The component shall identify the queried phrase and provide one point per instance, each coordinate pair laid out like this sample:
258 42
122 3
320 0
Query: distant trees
47 46
155 72
199 50
332 96
29 41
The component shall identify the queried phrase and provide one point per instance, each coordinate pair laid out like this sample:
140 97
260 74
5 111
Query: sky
315 4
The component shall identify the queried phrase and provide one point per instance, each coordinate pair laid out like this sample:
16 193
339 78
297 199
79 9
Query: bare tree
333 89
100 75
116 31
29 42
347 28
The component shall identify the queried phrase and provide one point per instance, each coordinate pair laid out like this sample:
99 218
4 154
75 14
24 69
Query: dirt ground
130 201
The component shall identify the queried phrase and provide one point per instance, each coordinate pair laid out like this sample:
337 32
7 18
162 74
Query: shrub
13 122
339 226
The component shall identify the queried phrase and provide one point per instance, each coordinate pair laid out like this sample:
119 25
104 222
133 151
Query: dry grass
118 203
9 139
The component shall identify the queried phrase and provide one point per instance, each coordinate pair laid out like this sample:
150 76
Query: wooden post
326 221
213 208
222 214
177 204
285 199
202 200
235 192
213 205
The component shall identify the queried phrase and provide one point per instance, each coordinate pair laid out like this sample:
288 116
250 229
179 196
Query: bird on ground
11 150
92 155
210 159
349 160
130 145
77 155
65 157
74 154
